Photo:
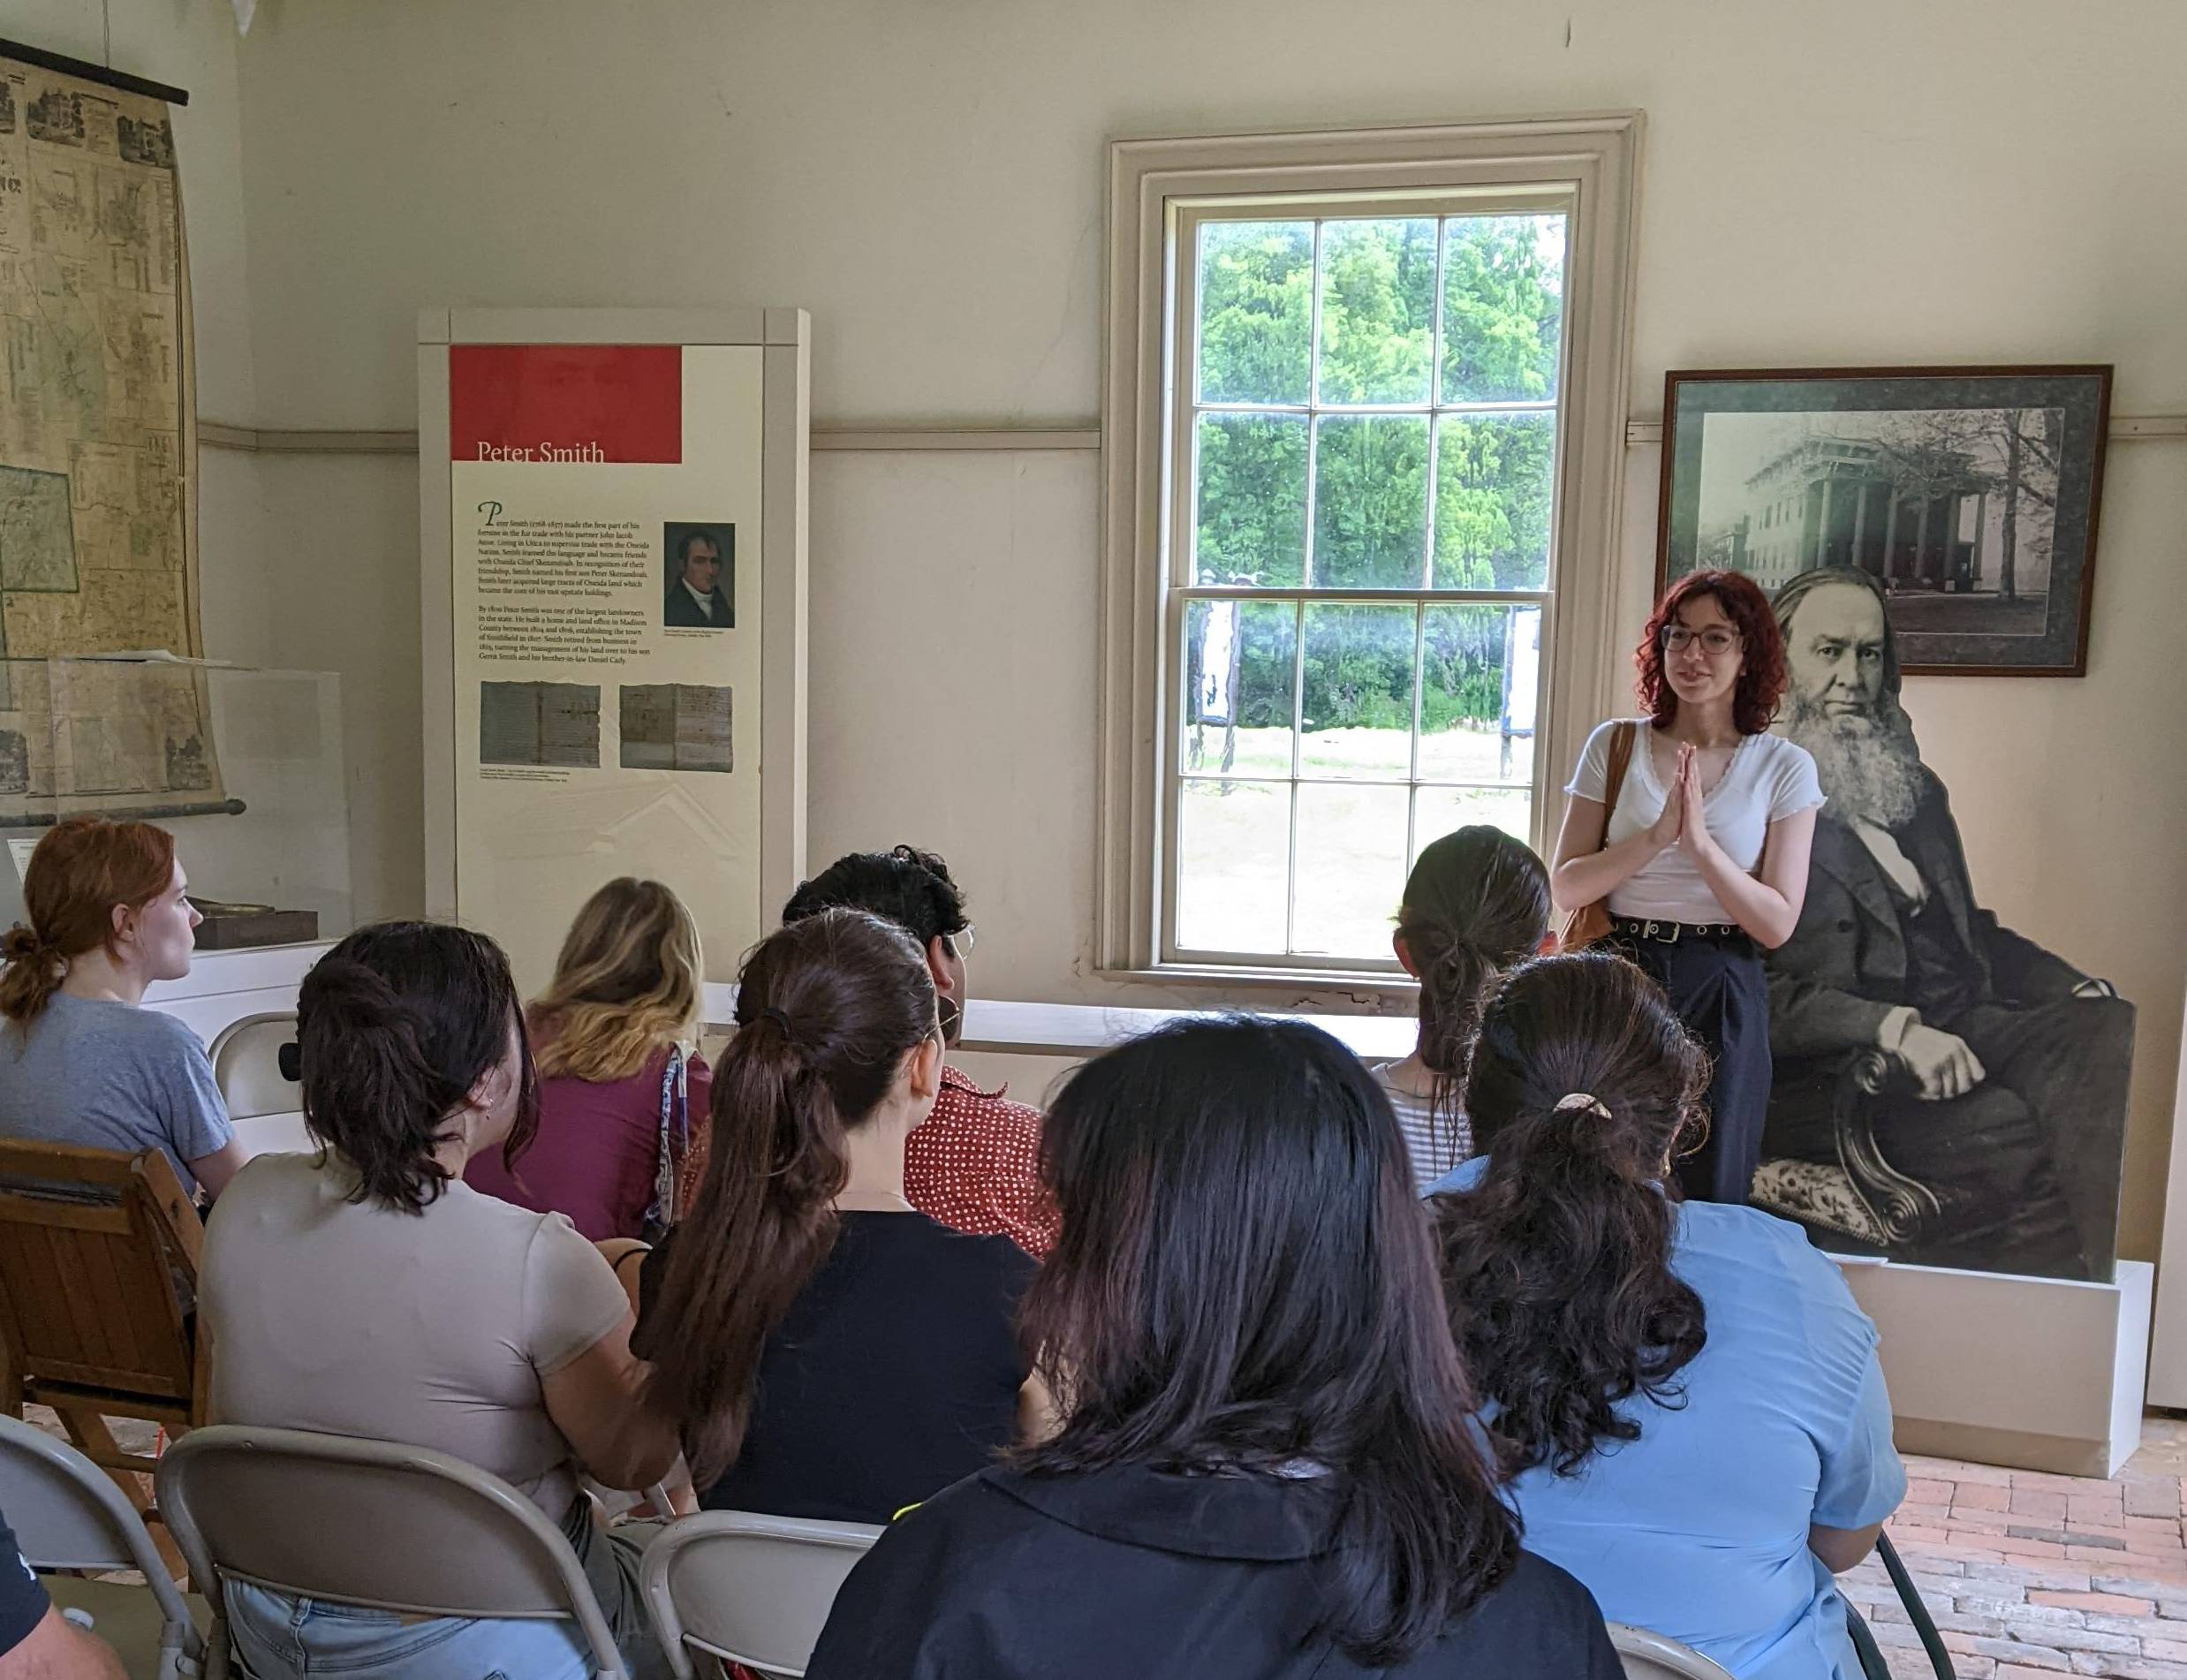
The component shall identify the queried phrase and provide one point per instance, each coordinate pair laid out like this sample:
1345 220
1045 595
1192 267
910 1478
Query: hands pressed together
1683 823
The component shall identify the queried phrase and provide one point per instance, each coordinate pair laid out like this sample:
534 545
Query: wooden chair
99 1255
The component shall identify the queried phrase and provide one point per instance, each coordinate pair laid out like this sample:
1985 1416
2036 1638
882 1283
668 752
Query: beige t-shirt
433 1329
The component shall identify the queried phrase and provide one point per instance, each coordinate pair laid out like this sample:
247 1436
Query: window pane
1495 475
1502 308
1440 810
1256 311
1479 669
1378 310
1252 521
1358 701
1233 864
1370 519
1351 865
1240 662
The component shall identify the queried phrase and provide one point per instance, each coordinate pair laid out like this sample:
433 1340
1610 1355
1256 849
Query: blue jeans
279 1637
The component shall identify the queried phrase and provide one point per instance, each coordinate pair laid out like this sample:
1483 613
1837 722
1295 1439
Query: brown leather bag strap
1621 760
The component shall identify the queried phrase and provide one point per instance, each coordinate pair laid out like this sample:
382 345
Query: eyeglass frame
961 942
1676 638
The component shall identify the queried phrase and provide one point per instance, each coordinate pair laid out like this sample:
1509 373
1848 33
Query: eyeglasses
961 941
1714 642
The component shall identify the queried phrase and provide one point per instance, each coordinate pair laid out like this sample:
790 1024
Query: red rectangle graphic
565 403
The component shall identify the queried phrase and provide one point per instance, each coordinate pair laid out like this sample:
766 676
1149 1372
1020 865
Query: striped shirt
1436 1143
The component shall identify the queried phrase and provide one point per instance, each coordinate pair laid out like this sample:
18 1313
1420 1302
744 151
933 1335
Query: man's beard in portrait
1868 764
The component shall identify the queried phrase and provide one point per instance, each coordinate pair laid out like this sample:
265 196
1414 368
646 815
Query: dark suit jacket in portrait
681 612
1845 967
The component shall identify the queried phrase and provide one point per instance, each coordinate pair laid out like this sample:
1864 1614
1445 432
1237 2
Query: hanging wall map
97 525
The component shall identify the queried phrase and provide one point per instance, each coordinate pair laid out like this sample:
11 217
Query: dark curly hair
395 1026
1556 1264
1762 676
911 888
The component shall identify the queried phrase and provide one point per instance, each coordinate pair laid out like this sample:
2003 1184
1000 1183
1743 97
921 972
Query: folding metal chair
67 1514
1874 1664
371 1523
1650 1656
738 1587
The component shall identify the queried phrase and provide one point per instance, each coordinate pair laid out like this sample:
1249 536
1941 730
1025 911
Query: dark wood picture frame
1956 436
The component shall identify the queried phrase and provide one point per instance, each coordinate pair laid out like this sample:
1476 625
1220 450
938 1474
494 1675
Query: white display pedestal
2025 1371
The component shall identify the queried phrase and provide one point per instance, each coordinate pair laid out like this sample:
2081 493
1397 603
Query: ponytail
827 1008
1556 1264
395 1026
1477 901
33 973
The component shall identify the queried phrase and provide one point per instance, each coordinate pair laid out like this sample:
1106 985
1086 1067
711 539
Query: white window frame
1588 166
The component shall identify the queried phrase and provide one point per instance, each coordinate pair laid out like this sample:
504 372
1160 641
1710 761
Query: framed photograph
1970 493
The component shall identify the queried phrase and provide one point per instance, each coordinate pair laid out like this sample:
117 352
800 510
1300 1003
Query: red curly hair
1762 678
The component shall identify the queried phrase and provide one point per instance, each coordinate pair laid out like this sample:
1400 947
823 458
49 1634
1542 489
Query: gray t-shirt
433 1328
109 1076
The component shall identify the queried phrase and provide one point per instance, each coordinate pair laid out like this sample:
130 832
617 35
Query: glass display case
243 766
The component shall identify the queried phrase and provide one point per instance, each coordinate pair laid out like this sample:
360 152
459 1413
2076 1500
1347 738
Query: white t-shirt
1769 779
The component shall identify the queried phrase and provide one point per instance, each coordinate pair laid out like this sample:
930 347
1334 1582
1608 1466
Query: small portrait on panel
701 561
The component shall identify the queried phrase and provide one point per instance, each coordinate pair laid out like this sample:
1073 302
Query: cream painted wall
1865 183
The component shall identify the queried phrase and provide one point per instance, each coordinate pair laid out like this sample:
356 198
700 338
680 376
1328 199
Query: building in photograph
1857 502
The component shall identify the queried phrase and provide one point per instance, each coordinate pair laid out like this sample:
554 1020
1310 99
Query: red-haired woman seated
82 1062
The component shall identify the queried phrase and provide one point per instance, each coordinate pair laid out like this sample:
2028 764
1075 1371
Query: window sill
1390 982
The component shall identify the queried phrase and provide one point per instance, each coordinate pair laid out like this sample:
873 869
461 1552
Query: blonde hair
627 983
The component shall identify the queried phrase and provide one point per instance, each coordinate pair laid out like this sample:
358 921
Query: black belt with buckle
1670 932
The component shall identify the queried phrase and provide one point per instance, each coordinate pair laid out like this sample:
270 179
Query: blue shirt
108 1076
1698 1529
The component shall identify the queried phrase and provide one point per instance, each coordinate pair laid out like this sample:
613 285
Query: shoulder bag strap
1621 760
675 1137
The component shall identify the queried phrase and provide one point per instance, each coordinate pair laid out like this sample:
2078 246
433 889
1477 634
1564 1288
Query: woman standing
1692 826
619 1079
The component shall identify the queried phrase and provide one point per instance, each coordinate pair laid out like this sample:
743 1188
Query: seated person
619 1079
36 1641
368 1290
1263 1471
2008 1066
974 1164
1684 1393
831 1351
1477 901
81 1060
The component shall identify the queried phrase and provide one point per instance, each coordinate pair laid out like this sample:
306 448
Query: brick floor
2033 1576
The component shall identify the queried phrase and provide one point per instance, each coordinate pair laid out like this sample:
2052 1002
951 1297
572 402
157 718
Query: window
1363 451
1369 470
